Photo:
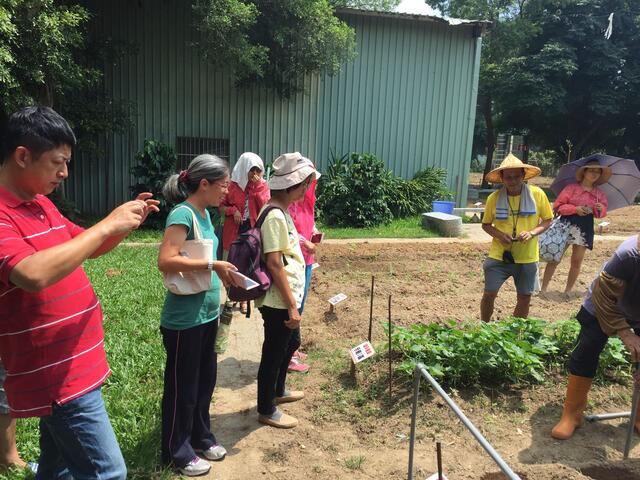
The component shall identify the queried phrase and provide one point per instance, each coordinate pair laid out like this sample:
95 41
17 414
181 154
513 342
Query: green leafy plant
413 197
352 192
154 164
507 352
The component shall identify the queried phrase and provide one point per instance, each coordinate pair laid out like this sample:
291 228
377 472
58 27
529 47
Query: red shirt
51 342
573 196
234 201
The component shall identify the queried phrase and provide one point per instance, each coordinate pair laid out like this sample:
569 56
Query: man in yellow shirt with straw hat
514 216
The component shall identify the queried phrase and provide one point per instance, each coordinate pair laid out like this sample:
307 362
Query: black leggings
280 342
590 343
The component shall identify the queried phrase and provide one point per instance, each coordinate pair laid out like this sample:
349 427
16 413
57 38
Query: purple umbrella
621 189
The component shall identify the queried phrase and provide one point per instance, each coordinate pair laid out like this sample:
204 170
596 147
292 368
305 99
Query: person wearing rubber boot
611 307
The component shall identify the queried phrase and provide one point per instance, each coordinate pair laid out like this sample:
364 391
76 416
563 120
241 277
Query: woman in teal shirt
189 323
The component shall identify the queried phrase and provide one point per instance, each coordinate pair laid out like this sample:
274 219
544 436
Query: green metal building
409 98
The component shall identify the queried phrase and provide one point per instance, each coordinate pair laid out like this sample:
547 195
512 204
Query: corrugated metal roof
422 17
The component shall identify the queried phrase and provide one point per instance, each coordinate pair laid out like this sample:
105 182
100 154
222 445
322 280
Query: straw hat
290 169
511 162
605 172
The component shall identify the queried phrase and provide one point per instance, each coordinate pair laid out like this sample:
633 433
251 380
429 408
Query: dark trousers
189 380
277 349
591 341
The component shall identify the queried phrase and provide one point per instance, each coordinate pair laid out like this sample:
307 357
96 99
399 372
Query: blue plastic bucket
443 206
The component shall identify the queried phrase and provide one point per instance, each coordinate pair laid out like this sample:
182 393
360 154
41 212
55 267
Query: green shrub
406 198
155 163
67 207
511 351
357 190
351 193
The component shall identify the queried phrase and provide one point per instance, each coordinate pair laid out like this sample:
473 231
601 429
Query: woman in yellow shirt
292 175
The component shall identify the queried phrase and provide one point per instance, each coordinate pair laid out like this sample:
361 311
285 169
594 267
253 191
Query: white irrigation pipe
421 371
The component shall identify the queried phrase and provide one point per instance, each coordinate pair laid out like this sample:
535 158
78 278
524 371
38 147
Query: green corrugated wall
409 98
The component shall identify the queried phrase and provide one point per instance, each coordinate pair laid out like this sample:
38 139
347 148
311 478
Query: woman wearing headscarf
248 193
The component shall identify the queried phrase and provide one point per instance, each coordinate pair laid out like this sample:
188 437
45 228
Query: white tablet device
244 281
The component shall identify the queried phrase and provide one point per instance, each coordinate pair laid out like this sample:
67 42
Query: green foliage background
357 190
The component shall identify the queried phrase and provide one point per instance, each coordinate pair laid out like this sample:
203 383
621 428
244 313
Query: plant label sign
435 476
362 352
333 301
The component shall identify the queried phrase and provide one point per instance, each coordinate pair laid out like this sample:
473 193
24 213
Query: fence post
414 413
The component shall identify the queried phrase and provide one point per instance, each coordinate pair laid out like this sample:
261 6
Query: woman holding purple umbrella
578 204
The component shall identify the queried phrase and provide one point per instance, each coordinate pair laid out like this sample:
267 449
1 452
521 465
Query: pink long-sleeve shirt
303 215
573 196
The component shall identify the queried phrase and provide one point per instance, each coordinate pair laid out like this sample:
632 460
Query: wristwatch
210 265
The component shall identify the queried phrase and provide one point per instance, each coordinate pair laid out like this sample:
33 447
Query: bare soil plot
356 432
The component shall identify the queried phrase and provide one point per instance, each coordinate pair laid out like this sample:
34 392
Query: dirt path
234 408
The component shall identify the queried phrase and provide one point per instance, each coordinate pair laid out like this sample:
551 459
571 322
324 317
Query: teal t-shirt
185 311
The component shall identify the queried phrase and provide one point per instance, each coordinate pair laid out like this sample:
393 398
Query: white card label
337 299
362 352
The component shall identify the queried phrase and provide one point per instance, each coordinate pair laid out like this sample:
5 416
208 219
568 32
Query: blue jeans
78 443
307 284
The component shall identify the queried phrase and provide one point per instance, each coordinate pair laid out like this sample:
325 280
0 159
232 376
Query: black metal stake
373 279
390 370
439 459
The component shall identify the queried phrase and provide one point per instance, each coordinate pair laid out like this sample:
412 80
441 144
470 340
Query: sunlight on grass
409 227
400 228
131 294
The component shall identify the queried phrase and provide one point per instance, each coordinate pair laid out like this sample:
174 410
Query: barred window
187 148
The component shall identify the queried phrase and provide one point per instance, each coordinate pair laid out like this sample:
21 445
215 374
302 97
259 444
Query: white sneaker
195 467
215 453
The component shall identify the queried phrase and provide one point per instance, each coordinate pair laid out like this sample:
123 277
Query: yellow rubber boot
574 405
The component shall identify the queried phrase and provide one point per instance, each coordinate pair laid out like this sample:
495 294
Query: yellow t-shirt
279 234
523 252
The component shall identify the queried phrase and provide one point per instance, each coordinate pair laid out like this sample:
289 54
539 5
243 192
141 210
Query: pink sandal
296 365
300 355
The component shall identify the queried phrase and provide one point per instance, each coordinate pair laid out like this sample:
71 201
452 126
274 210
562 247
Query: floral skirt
580 230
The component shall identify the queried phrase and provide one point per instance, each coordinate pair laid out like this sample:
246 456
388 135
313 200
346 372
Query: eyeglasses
220 184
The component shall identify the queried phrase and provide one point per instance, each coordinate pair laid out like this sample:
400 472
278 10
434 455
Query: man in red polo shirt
51 336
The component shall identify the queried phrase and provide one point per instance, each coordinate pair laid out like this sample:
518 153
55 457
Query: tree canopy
548 71
46 58
273 43
570 87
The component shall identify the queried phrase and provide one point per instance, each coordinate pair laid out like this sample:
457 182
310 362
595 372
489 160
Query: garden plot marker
335 300
373 281
439 475
359 354
362 352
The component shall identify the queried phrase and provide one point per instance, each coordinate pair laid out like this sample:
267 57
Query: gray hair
179 186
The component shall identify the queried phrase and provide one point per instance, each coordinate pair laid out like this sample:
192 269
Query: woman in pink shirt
303 216
578 204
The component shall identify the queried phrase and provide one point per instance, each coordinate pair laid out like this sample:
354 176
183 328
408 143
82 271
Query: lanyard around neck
514 216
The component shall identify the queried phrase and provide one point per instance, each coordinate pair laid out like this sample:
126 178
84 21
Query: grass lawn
409 227
400 228
131 293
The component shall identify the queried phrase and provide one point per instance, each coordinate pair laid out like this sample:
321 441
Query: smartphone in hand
317 237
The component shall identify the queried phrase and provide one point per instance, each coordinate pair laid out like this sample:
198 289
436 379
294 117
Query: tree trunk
487 112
